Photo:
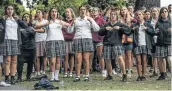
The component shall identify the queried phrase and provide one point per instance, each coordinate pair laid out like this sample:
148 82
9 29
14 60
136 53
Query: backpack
44 83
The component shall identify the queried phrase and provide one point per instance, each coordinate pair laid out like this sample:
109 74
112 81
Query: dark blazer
164 36
148 35
114 37
19 22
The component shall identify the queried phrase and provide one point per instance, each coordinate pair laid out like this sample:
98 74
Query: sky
165 2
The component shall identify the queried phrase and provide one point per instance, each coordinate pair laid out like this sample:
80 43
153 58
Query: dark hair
161 10
83 6
24 15
49 14
40 10
147 11
7 7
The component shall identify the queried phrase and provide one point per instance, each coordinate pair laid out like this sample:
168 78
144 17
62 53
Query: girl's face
53 13
83 11
147 15
140 16
155 12
113 16
130 9
39 14
26 17
68 13
124 11
164 13
10 10
95 12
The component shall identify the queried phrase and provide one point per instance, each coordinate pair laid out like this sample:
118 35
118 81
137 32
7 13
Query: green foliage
63 4
19 8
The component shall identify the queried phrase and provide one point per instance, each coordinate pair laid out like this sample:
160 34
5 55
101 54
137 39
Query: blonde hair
72 12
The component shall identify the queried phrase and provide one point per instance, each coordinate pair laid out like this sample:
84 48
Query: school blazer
3 28
148 35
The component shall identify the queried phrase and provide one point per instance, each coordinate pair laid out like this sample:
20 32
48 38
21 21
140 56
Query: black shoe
28 79
13 81
76 79
143 78
153 75
19 80
7 80
56 80
108 78
139 78
165 75
161 78
86 79
124 78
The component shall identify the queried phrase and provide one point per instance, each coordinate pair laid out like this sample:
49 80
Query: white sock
56 74
52 75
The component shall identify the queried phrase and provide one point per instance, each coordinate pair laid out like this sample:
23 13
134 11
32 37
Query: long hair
49 14
72 12
161 10
5 9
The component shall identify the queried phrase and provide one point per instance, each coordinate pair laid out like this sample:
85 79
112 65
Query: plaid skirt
142 50
10 47
168 50
40 49
55 48
112 52
69 47
162 51
83 45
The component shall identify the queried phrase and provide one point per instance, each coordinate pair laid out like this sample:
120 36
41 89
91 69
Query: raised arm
94 25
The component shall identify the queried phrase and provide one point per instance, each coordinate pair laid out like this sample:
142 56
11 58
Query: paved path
14 87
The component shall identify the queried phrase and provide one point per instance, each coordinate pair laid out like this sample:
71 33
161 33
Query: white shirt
55 31
153 23
41 36
11 29
83 27
142 37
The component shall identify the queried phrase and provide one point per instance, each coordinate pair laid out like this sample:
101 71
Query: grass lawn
97 83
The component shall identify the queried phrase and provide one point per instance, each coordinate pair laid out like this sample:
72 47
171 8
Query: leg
86 61
7 65
169 59
20 64
138 58
121 63
45 65
78 66
66 64
109 67
144 66
52 67
57 68
13 68
129 65
71 62
38 66
122 66
30 61
91 60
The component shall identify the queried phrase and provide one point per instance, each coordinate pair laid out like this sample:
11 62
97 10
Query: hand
4 17
169 29
145 28
89 19
116 27
16 17
136 27
109 28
